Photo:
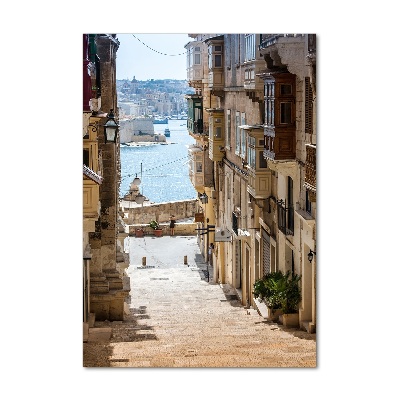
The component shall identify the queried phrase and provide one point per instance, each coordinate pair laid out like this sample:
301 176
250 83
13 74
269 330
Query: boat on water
167 132
160 121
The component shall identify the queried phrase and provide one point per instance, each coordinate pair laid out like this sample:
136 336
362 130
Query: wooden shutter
266 256
308 112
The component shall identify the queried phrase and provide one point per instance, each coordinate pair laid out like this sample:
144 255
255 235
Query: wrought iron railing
285 218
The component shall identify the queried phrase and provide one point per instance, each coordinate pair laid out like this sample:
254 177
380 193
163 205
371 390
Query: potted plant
139 232
156 227
272 298
290 295
281 293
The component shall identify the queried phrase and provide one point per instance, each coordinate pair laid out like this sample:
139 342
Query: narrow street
180 318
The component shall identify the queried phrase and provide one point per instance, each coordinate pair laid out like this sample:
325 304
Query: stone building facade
105 284
129 128
258 95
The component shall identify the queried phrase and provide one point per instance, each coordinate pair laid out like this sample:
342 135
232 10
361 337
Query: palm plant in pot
267 289
290 297
273 285
156 227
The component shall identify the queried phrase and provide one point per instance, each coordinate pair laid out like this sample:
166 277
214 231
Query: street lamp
203 198
310 255
110 128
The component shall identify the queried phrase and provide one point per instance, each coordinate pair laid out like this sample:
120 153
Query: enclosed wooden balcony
195 115
253 85
92 169
254 63
216 136
279 145
280 115
196 58
259 176
216 65
200 168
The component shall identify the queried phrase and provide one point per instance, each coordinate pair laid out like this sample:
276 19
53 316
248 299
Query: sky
152 56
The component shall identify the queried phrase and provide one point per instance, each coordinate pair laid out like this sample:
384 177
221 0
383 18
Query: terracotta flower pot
139 232
158 232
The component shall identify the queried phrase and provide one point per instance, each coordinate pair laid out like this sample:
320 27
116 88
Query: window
217 132
86 157
197 59
243 137
228 129
286 112
250 47
262 162
199 167
237 133
251 152
308 202
214 56
286 89
190 57
269 103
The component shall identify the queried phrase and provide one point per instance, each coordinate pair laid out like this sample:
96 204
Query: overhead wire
159 52
150 169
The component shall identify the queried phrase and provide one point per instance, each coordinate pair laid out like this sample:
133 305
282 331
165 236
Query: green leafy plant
290 294
274 285
259 289
154 224
279 290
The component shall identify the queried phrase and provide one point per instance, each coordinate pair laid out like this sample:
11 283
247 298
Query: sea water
162 168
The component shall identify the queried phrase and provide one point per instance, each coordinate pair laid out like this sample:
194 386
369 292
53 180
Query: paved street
179 319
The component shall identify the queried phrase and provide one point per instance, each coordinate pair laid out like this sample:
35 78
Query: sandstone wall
184 209
181 229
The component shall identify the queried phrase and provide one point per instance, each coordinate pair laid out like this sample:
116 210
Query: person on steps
172 225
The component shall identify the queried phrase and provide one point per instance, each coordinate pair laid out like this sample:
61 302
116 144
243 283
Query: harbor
161 165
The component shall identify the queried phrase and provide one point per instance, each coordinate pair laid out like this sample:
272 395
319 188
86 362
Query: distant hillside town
158 99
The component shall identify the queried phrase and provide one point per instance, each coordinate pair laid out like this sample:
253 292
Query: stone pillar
108 290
